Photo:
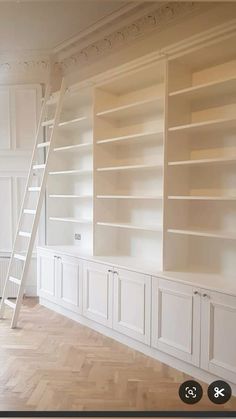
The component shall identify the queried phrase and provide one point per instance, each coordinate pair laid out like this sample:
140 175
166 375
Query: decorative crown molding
24 65
155 19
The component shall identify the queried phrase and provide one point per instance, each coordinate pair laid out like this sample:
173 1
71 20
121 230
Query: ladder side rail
42 114
39 206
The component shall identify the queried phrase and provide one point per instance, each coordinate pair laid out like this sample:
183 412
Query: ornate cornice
156 19
24 65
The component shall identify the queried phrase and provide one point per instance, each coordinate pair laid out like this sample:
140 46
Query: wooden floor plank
53 363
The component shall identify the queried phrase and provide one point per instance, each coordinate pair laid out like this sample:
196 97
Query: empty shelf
71 172
208 90
134 109
131 167
73 147
202 198
206 126
71 220
204 233
203 161
70 196
140 136
129 197
131 226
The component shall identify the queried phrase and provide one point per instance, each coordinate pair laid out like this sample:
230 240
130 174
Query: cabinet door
97 292
69 283
218 348
46 264
176 320
132 305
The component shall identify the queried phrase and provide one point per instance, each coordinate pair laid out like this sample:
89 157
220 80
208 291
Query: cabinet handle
196 293
115 272
206 295
110 271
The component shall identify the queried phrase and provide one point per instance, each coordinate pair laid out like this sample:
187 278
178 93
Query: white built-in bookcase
70 185
128 165
144 166
200 211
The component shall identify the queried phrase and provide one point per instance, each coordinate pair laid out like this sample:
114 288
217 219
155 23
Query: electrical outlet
77 236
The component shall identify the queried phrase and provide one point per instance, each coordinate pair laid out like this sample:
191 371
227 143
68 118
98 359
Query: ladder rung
29 211
24 234
15 280
19 257
38 166
10 303
45 144
48 123
34 189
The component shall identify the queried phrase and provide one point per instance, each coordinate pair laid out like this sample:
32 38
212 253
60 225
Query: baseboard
169 360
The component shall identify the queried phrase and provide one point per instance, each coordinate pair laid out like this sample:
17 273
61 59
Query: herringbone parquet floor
52 363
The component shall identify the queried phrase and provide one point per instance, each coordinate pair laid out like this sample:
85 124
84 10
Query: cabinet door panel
69 283
97 293
46 275
218 349
132 304
176 320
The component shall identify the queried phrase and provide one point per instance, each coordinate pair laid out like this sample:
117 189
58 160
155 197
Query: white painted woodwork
218 336
98 293
26 101
5 121
46 275
6 214
144 175
69 282
176 320
132 302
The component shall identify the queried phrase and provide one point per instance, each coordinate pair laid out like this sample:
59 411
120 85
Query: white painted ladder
34 194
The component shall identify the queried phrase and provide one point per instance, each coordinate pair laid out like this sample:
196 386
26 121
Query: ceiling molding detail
26 61
155 19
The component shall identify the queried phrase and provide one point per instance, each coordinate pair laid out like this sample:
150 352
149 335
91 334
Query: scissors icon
218 392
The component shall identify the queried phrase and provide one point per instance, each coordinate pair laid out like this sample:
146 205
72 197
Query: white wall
20 105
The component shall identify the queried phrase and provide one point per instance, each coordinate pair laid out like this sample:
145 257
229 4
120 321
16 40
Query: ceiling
45 24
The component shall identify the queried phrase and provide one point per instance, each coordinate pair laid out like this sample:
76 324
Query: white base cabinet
218 327
69 282
132 302
46 275
176 320
196 326
192 327
60 280
97 293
